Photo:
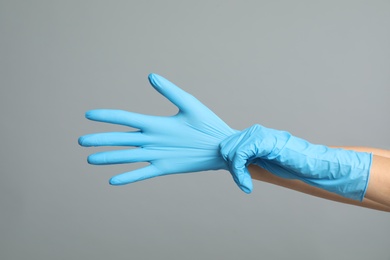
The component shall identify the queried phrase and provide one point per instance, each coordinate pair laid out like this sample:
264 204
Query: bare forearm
379 184
377 196
376 151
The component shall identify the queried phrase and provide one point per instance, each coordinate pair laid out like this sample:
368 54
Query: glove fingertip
93 159
88 114
154 79
247 186
246 189
116 181
245 181
92 114
81 141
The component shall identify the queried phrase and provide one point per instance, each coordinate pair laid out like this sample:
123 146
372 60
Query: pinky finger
136 175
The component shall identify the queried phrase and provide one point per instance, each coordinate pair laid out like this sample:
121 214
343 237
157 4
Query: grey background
319 69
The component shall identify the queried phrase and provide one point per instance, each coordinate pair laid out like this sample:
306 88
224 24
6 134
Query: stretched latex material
185 142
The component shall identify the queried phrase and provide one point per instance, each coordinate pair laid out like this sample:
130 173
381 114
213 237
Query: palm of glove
186 142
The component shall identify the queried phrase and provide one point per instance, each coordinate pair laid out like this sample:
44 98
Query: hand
336 170
186 142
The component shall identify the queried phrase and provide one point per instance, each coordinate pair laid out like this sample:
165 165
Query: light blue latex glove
186 142
336 170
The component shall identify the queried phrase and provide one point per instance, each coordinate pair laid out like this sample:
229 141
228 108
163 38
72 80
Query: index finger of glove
183 100
121 117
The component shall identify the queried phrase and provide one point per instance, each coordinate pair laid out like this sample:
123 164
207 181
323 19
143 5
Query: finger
183 100
236 165
114 139
242 175
246 182
121 117
228 150
121 156
136 175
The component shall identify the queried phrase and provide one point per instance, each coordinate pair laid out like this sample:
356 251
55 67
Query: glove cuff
337 170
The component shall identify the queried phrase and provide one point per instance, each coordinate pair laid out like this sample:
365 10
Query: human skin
170 151
378 191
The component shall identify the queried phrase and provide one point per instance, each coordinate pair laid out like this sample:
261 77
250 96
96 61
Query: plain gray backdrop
319 69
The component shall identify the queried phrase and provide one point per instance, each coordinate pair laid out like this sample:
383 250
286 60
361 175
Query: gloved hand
336 170
186 142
